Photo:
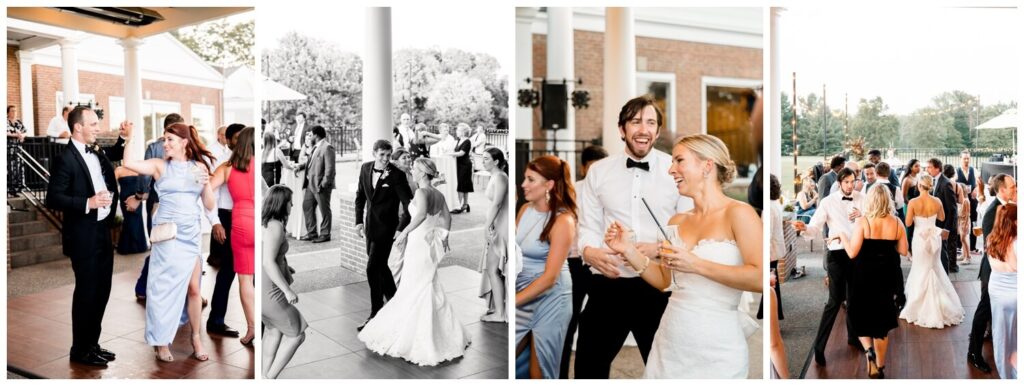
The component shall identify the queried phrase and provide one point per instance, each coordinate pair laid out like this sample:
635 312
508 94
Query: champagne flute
672 232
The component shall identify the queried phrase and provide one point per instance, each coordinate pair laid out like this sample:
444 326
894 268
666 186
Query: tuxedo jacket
69 190
377 205
945 193
320 168
987 223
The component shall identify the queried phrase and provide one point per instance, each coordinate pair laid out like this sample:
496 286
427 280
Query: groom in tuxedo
943 190
1006 191
82 186
382 188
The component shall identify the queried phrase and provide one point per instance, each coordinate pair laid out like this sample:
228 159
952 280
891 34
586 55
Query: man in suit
382 188
318 185
875 157
827 179
83 187
1006 190
943 190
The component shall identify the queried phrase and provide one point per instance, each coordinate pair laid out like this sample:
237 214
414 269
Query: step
18 217
36 256
33 241
28 228
19 203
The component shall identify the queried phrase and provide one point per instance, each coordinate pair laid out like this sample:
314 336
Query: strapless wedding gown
932 301
702 333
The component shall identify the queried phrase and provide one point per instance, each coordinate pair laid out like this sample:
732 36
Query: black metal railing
36 193
346 140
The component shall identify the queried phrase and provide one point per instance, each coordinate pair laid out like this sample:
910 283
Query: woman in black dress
464 167
133 228
877 241
909 185
15 136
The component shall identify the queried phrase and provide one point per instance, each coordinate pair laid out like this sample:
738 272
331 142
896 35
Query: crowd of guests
870 218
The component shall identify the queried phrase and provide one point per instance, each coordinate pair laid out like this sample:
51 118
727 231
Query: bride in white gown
418 324
702 333
932 301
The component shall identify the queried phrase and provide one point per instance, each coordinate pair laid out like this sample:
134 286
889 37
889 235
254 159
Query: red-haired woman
545 228
1002 250
175 263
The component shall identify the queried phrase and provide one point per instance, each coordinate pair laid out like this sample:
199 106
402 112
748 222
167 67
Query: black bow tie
91 149
634 164
375 170
847 198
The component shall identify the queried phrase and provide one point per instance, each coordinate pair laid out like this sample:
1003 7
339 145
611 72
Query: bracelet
647 262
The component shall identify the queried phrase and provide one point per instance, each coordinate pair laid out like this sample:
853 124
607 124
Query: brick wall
688 60
353 248
46 81
13 80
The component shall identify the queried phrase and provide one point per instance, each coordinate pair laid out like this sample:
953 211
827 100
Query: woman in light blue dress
1002 248
545 228
175 264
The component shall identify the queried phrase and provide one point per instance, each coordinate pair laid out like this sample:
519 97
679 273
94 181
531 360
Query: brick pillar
353 248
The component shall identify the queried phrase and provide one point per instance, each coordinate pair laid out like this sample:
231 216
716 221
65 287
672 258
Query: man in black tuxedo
1006 191
382 188
943 190
83 187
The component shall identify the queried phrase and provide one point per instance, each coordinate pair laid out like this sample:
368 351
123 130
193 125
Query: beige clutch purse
163 232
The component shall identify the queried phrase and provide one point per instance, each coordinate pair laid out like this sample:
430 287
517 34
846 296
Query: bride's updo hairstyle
426 166
924 182
709 147
878 203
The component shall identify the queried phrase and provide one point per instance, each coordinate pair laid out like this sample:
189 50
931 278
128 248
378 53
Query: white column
560 66
619 73
377 119
25 78
524 69
133 97
772 96
69 70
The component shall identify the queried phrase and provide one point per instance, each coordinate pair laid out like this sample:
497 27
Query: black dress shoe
104 353
307 237
819 356
360 328
221 329
978 362
322 239
90 358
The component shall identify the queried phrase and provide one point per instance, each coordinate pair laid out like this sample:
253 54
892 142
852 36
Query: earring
547 195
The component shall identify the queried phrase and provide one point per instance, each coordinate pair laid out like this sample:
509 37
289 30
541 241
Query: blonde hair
925 181
426 166
878 203
462 129
708 147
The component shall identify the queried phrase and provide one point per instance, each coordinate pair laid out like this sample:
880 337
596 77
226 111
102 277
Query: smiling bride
716 257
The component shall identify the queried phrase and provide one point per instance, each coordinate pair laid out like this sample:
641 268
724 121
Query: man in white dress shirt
838 212
619 301
297 135
58 129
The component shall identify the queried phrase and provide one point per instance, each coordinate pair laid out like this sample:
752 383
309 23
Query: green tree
457 98
872 122
221 43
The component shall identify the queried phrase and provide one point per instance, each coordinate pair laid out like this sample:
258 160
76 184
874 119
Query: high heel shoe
465 208
164 358
251 338
873 371
202 357
881 372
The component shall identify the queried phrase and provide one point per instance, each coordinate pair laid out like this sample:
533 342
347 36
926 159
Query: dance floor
914 352
39 337
331 349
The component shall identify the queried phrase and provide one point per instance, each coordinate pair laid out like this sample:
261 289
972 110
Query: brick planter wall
353 248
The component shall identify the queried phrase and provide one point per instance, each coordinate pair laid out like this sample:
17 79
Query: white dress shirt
92 161
407 134
613 192
222 154
57 126
834 212
300 131
778 240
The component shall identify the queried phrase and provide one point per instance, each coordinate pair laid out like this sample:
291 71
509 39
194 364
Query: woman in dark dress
909 185
464 167
133 228
877 241
15 136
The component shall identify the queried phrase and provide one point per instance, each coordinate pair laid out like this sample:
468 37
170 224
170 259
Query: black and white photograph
385 214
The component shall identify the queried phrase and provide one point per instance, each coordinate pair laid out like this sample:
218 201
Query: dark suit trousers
974 219
580 282
982 316
378 275
93 271
310 202
615 308
225 273
838 266
272 172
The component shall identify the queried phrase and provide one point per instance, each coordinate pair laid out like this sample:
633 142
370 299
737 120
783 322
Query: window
727 104
204 119
115 112
662 87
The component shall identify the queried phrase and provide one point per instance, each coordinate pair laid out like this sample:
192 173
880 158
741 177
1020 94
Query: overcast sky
906 56
485 29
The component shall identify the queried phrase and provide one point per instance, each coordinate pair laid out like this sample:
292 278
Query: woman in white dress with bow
716 256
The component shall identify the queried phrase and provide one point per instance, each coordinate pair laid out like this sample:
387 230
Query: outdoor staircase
30 238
